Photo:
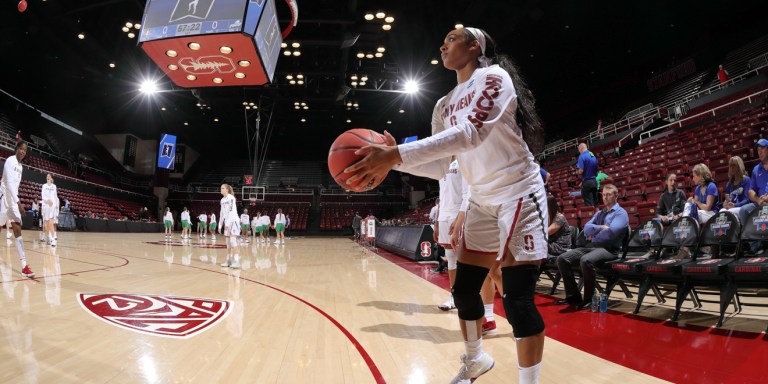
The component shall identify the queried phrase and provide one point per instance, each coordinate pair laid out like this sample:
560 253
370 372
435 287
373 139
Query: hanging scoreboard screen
166 153
171 18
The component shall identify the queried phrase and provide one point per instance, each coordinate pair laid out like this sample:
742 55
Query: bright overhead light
362 83
401 110
380 15
389 19
216 119
349 121
192 77
360 55
303 120
458 26
218 80
353 77
247 107
240 75
292 82
186 123
148 86
368 16
251 103
129 24
354 83
162 108
194 46
171 53
243 63
349 103
378 54
111 65
296 103
131 35
380 49
386 27
434 62
295 44
411 87
306 107
80 36
173 67
245 103
300 82
389 121
137 26
369 55
289 77
364 78
299 76
355 104
225 50
125 29
283 45
297 53
286 53
303 103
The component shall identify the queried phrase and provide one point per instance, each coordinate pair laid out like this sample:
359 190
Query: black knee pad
519 287
466 291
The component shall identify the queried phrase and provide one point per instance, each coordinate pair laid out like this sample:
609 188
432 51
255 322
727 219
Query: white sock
474 348
530 375
237 258
22 254
488 311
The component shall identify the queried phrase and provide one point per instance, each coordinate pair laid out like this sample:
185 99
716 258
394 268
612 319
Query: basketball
342 155
22 5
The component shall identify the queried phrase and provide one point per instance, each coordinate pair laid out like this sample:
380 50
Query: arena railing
717 87
679 123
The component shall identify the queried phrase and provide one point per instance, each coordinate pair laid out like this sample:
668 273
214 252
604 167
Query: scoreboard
202 43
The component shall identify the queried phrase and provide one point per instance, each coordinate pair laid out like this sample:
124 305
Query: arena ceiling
583 60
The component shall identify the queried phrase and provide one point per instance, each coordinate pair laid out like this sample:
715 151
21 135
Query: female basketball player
230 222
185 226
49 208
485 121
212 226
202 225
168 221
10 205
245 222
256 227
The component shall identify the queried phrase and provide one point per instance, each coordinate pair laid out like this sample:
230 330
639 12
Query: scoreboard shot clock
212 43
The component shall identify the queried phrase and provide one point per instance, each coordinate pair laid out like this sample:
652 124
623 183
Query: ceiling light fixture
389 19
240 75
131 35
386 27
243 63
192 78
80 36
368 16
173 67
433 62
225 50
194 46
380 15
218 80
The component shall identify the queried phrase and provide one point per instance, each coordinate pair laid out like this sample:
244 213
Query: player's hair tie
480 37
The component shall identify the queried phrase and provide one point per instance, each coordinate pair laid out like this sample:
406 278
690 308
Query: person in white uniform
280 227
185 223
490 123
10 205
202 225
265 223
168 222
49 209
245 222
449 217
229 226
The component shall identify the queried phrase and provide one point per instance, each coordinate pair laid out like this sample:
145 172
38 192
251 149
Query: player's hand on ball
378 161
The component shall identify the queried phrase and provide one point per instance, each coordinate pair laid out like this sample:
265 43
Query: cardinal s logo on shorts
168 316
196 9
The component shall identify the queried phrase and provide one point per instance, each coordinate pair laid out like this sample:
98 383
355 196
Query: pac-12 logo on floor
426 249
168 316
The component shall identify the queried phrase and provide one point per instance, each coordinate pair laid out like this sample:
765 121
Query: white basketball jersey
49 193
228 209
454 193
476 122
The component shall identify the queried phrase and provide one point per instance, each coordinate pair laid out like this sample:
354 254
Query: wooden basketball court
107 308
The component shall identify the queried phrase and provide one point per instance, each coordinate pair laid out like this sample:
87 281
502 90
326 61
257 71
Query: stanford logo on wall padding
178 317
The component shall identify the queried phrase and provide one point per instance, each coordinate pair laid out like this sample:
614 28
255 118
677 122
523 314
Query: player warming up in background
202 225
49 209
229 221
280 227
265 223
245 221
212 226
10 205
185 225
168 221
489 122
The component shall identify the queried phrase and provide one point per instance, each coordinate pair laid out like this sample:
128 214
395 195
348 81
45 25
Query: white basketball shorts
519 226
443 236
9 211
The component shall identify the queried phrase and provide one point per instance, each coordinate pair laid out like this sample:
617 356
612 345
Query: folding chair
643 247
747 271
683 232
720 230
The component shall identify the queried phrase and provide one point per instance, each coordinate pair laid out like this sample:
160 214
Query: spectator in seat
705 200
587 169
559 231
704 203
737 187
671 202
758 189
604 232
722 75
65 208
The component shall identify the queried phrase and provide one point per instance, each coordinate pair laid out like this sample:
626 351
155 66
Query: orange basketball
342 155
